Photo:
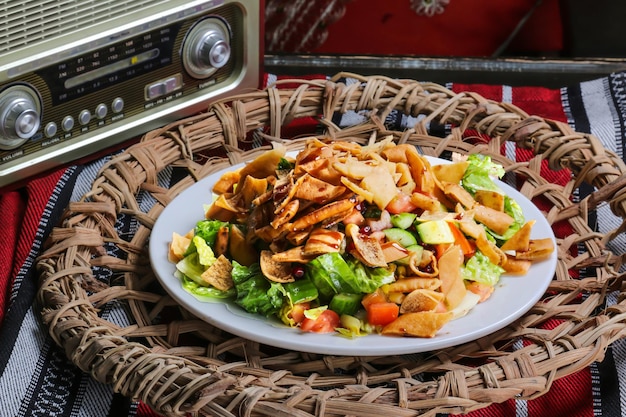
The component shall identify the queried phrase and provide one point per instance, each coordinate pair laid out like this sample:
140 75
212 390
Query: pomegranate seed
298 271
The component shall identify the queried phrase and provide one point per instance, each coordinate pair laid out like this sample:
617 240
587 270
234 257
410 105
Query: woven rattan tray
180 365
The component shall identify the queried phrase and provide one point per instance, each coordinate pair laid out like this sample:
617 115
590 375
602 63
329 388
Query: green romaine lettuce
203 292
331 274
255 293
480 173
191 267
479 176
206 256
369 279
207 230
480 269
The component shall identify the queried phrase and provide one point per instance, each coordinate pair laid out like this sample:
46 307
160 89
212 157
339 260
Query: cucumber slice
403 220
435 232
344 303
402 237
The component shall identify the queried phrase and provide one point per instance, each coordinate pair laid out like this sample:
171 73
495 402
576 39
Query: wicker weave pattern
187 366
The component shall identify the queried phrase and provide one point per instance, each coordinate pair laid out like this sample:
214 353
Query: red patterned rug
413 27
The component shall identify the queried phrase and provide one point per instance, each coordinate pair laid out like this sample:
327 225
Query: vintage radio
77 76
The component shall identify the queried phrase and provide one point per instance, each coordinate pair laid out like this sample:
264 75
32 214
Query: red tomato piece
380 314
478 288
326 322
401 204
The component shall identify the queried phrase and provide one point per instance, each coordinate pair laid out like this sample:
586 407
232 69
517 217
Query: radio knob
214 51
84 117
206 47
20 118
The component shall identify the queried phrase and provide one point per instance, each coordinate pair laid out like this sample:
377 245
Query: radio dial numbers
206 47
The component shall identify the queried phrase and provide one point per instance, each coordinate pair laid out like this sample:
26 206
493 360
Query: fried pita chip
450 172
420 324
421 171
410 284
520 241
313 189
219 274
458 194
265 164
491 199
366 248
285 214
329 210
361 192
322 241
515 266
251 189
275 271
425 202
490 250
295 254
498 221
178 247
421 300
226 182
221 241
538 249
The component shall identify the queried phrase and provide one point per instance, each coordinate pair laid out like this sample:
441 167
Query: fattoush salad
356 239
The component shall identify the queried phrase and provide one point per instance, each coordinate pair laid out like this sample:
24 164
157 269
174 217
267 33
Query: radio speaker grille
29 22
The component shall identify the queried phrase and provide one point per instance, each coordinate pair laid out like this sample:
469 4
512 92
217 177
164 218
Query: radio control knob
101 111
214 51
68 123
117 105
50 129
20 109
84 117
206 47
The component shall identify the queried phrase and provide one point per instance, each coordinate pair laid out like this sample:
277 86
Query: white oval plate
514 295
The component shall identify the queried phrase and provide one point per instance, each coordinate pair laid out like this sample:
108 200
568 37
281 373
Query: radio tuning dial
206 47
20 115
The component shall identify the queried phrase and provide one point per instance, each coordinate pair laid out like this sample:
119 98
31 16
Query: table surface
37 379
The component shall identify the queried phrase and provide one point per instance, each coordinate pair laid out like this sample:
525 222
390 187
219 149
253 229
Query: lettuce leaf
370 279
332 274
479 175
203 292
206 257
207 230
191 267
480 269
255 293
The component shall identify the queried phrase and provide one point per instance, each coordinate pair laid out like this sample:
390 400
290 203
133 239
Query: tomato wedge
380 314
401 203
326 322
